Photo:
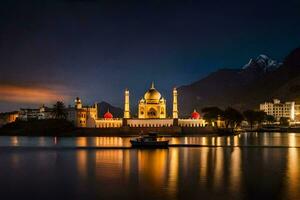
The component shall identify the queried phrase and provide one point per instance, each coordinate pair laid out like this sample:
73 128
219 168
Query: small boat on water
149 141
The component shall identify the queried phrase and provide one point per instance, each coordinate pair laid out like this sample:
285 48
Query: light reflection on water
246 139
293 173
174 173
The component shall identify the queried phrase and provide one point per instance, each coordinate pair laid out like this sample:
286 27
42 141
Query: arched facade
152 106
108 123
191 123
151 113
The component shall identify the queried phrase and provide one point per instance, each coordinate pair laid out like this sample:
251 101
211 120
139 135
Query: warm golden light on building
152 106
152 112
126 105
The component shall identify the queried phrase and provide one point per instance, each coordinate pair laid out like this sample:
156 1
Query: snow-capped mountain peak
262 62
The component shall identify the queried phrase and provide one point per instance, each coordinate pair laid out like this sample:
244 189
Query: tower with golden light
151 113
175 106
126 105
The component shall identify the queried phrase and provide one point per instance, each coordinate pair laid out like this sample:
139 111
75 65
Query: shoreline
107 135
55 148
125 131
63 128
85 132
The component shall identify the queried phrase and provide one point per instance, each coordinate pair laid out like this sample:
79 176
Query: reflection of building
152 112
279 109
8 117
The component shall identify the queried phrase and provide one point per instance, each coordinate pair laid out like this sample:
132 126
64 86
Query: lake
247 166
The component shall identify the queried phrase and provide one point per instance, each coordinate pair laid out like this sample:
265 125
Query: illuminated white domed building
152 112
152 106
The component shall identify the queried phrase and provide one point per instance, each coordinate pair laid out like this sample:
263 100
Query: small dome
108 115
195 115
77 99
152 95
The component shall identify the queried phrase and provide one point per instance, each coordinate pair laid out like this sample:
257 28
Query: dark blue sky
95 49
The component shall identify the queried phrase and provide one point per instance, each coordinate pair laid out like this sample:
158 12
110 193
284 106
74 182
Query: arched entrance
152 113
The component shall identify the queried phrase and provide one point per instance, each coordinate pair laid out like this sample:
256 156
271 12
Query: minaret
175 107
126 105
96 110
78 104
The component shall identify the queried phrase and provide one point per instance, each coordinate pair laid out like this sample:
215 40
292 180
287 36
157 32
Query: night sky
57 50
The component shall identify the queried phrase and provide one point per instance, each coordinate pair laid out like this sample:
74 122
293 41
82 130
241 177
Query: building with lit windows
83 116
281 109
152 113
108 121
8 117
40 113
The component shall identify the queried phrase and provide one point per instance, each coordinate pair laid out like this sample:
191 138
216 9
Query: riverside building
281 109
8 117
152 112
82 116
42 112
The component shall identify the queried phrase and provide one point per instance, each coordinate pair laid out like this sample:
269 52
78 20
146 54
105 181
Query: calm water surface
246 139
231 172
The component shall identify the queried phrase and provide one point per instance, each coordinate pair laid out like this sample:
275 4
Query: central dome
152 95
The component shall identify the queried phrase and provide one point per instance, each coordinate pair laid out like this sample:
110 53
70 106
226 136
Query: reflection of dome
152 95
108 115
195 115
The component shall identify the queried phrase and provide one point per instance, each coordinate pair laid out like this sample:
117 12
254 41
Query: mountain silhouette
261 79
